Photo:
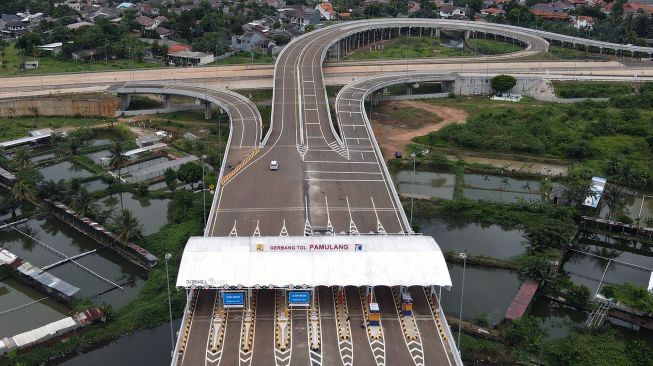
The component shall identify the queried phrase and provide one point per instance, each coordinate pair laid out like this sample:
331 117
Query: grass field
12 128
492 46
589 89
591 133
408 47
53 65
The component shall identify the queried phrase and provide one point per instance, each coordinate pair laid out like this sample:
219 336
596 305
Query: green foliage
591 349
171 179
408 47
503 83
127 226
591 89
525 334
535 268
491 46
184 204
189 173
635 296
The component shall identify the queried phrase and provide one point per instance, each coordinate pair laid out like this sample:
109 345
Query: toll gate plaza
314 300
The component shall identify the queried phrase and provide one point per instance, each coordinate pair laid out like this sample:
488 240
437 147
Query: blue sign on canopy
233 299
299 298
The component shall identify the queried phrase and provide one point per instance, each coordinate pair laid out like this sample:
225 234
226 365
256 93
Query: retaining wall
54 106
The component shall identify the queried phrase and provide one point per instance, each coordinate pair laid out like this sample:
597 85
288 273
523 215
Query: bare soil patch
395 123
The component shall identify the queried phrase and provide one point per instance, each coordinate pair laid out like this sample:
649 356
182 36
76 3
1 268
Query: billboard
299 298
233 299
310 247
597 186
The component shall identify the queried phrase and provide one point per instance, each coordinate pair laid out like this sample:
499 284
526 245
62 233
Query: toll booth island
294 268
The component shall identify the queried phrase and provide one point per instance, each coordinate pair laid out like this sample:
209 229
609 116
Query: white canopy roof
313 261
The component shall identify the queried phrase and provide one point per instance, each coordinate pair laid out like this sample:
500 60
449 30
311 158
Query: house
451 12
637 8
326 11
145 22
584 22
148 140
190 58
125 6
109 13
15 28
78 25
163 33
492 12
559 7
553 11
246 41
413 7
302 16
177 47
52 48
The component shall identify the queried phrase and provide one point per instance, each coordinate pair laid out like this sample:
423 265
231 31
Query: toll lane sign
233 299
299 298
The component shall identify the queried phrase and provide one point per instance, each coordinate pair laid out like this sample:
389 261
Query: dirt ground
394 138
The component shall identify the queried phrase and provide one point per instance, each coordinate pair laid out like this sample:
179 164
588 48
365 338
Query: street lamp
203 192
412 196
462 255
168 256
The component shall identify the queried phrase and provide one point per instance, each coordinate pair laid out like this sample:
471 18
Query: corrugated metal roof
47 279
521 301
6 257
46 331
7 175
160 145
23 140
327 260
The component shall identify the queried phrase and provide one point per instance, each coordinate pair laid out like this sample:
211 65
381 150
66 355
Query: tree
22 159
127 226
579 295
83 203
549 233
535 268
54 191
503 83
171 179
525 333
23 191
190 173
117 157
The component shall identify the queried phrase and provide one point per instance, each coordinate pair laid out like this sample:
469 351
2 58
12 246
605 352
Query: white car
274 165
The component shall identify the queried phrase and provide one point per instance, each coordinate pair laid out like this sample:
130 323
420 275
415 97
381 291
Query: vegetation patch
591 89
492 46
408 47
634 296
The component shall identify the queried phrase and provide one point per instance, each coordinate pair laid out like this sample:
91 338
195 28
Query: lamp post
462 255
168 256
203 192
412 198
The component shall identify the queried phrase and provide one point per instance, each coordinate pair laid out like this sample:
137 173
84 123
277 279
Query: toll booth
233 299
375 315
299 298
406 303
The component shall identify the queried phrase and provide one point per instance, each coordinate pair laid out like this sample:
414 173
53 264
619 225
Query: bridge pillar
167 102
207 110
409 89
124 101
437 32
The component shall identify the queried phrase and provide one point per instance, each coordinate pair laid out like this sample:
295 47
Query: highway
331 180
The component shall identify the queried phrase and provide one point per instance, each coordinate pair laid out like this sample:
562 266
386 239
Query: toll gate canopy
375 260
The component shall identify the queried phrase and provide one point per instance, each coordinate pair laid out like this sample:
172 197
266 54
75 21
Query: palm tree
55 191
614 198
83 203
22 159
23 191
128 226
117 156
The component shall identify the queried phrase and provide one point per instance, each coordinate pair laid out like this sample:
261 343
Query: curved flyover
324 182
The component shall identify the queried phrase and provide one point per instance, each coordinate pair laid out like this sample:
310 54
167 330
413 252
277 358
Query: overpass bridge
316 263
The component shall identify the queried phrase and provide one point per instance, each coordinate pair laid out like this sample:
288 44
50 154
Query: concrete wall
53 106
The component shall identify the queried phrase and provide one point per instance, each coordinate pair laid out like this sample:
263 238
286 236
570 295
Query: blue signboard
233 299
299 298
